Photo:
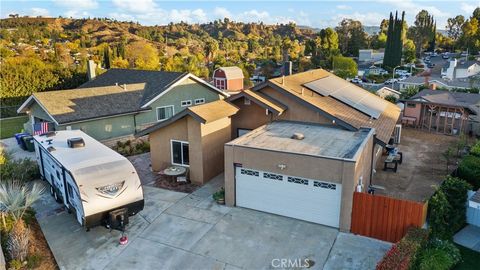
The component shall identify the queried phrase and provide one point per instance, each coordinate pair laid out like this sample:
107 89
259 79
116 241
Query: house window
411 105
247 101
163 113
180 153
186 103
199 101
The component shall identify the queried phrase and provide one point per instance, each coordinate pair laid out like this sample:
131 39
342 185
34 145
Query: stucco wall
214 137
296 111
249 116
160 152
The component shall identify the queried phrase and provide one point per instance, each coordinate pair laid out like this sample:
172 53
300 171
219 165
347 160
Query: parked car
430 65
402 78
464 54
445 56
356 80
434 54
391 81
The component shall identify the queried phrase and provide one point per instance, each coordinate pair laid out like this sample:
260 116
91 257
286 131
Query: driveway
190 231
10 145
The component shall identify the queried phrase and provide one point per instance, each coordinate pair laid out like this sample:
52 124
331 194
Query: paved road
190 231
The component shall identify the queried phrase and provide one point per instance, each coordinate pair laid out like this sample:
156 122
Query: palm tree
16 198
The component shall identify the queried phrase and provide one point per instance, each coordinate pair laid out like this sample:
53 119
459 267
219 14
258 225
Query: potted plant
219 196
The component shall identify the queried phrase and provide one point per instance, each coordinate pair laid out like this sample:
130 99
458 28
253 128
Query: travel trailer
98 185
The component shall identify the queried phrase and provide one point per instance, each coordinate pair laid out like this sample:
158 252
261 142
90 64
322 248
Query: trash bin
29 143
18 137
21 142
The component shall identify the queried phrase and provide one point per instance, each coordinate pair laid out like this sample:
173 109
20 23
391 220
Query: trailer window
70 190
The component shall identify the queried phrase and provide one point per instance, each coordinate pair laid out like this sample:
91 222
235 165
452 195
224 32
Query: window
70 190
324 185
220 83
411 105
163 113
247 101
180 153
199 101
186 103
242 131
249 172
297 180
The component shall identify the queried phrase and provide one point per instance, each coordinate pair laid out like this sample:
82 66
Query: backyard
10 126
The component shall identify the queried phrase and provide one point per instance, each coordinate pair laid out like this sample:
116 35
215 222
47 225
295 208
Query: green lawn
471 259
10 126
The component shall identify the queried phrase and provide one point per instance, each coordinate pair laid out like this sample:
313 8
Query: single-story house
193 138
460 68
444 111
119 102
417 81
228 78
301 170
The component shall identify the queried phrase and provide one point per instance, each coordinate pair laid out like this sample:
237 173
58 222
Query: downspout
135 123
372 166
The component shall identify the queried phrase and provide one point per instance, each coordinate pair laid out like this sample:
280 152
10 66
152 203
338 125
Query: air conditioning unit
397 133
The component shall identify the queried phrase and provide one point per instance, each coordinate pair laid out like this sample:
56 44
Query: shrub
475 150
16 198
219 194
403 254
391 98
129 148
34 261
439 212
469 169
455 191
438 254
21 170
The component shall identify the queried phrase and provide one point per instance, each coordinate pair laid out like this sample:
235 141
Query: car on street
391 81
431 65
445 55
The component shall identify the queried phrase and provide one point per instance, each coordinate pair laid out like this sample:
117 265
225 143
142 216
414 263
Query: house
417 81
387 91
371 56
446 112
119 102
228 78
193 138
301 170
374 70
459 69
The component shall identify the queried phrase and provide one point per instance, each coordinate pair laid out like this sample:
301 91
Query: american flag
40 128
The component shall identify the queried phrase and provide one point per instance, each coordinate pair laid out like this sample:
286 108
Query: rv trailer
98 185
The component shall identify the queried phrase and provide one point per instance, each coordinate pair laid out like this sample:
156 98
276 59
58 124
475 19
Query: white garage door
307 199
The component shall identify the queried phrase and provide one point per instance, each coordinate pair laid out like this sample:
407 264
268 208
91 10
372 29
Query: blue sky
311 13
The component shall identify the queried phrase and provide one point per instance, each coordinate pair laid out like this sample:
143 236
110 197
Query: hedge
469 169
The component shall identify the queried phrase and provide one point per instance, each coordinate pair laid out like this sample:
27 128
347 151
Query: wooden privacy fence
385 218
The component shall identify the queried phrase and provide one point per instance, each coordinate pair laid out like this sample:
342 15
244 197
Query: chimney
433 86
124 87
91 70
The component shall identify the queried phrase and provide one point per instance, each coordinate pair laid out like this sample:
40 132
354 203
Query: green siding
108 128
112 127
187 90
38 112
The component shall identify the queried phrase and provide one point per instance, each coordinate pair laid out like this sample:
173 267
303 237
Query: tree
106 57
409 51
344 67
423 30
142 55
394 43
351 37
454 27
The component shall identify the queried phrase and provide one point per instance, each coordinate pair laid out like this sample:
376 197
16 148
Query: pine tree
106 57
393 48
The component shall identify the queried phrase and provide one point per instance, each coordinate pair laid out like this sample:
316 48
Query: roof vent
297 136
75 142
51 149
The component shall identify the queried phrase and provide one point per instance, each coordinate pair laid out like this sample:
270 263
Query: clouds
467 8
343 7
135 6
40 12
76 4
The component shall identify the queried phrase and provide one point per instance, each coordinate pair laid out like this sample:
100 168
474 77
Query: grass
470 259
10 126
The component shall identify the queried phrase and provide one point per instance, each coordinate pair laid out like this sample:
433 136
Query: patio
422 169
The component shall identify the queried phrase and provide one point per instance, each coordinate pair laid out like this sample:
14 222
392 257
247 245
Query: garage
306 199
299 170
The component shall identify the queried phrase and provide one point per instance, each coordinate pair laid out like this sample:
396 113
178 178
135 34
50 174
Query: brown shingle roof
204 113
384 125
265 102
67 106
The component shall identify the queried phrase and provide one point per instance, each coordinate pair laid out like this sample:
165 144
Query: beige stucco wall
249 116
344 172
205 142
296 111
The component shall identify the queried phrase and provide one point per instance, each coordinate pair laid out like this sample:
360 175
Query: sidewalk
469 237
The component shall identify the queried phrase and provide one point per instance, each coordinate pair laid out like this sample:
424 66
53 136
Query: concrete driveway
190 231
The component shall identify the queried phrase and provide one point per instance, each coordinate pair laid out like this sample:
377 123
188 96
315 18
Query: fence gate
385 218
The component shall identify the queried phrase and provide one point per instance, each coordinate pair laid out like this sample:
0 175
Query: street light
393 75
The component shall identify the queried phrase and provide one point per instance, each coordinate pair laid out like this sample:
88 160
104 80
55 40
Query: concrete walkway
469 237
190 231
10 145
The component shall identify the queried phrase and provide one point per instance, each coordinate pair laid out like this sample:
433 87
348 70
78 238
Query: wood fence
385 218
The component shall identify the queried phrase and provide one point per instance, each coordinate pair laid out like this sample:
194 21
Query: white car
383 72
391 81
402 78
356 80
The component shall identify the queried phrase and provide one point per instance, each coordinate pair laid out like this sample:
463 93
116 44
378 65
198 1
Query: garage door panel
306 199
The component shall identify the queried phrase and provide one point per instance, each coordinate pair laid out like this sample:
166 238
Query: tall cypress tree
387 58
394 44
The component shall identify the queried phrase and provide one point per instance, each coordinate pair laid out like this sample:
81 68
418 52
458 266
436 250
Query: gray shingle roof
155 81
459 99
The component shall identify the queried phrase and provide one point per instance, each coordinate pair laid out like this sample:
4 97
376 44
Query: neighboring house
459 69
300 170
370 56
119 102
228 78
374 70
194 138
444 111
387 91
417 81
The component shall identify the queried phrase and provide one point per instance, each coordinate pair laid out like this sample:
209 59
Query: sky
318 14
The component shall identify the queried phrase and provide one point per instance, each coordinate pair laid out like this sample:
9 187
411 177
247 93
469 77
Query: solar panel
348 93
